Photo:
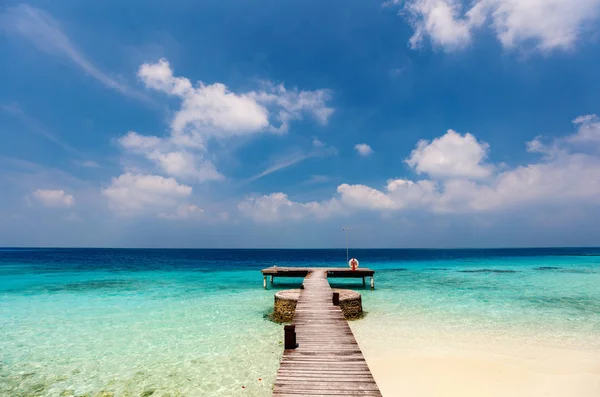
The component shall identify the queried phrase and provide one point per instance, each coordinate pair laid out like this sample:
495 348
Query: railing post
289 337
336 299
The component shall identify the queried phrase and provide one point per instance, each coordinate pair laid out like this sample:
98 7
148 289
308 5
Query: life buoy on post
353 263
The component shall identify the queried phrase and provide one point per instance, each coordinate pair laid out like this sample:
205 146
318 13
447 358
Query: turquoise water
194 322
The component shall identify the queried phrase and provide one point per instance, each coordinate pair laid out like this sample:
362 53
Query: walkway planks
327 361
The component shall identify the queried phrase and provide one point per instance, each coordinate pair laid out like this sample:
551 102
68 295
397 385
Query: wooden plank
328 361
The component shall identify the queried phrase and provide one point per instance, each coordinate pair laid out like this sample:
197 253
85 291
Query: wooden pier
331 272
321 356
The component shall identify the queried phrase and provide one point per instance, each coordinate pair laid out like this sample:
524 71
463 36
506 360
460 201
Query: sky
274 124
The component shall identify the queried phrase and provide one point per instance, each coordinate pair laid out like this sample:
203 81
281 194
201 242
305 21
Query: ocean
154 322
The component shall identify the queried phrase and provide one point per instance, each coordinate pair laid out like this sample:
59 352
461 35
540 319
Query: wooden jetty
331 272
321 356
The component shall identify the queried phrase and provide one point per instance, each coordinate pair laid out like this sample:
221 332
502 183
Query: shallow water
193 322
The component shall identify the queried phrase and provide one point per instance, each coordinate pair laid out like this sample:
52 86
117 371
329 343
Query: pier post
289 337
372 282
272 277
265 282
364 283
336 299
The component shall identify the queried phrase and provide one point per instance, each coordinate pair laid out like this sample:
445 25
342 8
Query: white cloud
451 156
184 211
185 165
589 130
46 34
277 206
565 177
212 110
544 24
54 198
292 104
551 24
442 22
363 149
140 143
169 158
317 143
131 194
364 197
399 194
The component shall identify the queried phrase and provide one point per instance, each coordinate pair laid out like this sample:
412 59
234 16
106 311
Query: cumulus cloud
450 156
131 194
140 143
461 182
398 194
54 198
544 24
442 21
363 149
171 158
292 104
589 130
214 112
277 206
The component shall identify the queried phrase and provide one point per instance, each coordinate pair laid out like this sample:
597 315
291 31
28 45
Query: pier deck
338 272
327 361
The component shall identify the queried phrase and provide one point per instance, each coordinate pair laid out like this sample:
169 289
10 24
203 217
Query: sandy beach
450 368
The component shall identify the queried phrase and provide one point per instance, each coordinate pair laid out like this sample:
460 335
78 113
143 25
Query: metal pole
346 230
346 245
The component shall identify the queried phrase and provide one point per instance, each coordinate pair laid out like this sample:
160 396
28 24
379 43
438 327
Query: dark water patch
450 282
399 269
93 285
547 268
578 271
437 268
500 271
78 287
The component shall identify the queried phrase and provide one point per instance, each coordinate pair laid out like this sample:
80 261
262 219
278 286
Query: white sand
482 368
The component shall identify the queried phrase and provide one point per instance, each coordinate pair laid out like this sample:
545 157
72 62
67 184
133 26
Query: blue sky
418 123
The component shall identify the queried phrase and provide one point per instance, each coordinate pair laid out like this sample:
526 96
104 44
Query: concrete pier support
372 282
265 282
